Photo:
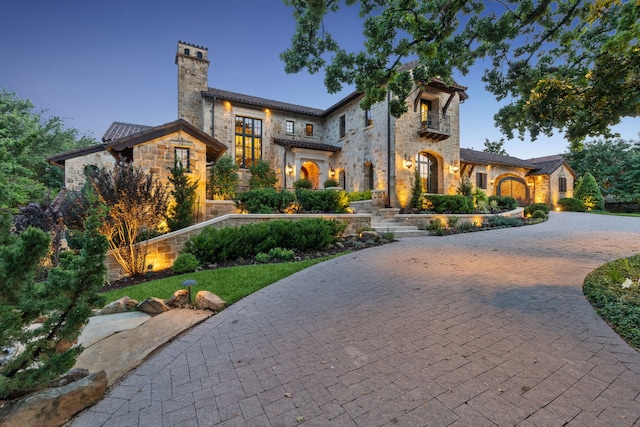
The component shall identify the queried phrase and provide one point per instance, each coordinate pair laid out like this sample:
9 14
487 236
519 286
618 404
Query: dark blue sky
93 63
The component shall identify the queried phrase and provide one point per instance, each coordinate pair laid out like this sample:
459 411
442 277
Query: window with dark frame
248 141
481 180
182 156
290 126
425 108
562 184
368 118
427 166
308 129
343 126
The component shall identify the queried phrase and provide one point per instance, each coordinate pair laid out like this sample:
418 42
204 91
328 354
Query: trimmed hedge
324 201
213 244
569 204
265 201
529 210
505 202
449 204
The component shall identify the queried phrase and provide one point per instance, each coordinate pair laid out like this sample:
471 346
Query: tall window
308 129
428 168
182 156
368 118
425 108
562 184
343 126
248 141
290 126
481 180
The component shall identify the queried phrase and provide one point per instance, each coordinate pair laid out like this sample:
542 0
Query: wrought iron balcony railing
437 127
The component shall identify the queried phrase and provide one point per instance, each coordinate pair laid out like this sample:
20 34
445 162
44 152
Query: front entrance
514 187
310 171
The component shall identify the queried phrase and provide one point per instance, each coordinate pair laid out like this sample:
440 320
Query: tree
589 192
262 176
39 355
224 179
572 65
615 165
417 192
180 213
495 147
26 139
137 204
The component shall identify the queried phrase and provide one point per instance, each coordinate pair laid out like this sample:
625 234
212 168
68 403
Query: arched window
368 176
427 165
187 51
91 171
199 54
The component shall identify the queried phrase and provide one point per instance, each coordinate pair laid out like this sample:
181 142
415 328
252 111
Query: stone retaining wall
422 220
163 250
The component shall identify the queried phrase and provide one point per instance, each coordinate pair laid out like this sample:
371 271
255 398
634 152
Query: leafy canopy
568 65
26 139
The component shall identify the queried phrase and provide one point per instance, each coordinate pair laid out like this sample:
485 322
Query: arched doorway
427 165
515 187
311 171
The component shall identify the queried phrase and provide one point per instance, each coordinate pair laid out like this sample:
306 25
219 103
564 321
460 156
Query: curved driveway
476 329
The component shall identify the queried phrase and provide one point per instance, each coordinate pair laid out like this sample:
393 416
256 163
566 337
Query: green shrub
589 192
213 244
465 226
356 196
303 183
223 179
539 214
465 187
185 263
417 192
435 224
265 201
536 207
281 254
504 202
331 183
262 258
569 204
262 176
324 201
504 221
452 221
449 204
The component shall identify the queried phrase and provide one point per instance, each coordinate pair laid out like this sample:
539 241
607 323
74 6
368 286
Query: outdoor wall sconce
492 181
454 168
289 169
332 172
408 162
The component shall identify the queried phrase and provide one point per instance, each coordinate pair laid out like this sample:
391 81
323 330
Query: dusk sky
93 63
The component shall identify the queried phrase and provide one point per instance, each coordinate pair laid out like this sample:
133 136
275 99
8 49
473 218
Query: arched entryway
311 171
427 165
515 187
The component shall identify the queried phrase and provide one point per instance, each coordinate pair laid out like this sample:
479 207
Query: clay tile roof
291 143
260 102
119 130
483 158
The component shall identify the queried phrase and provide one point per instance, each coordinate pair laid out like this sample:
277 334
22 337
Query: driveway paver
478 329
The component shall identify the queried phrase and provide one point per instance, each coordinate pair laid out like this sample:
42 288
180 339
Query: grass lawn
231 284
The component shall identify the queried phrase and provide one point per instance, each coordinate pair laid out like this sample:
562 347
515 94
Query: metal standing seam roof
292 143
119 130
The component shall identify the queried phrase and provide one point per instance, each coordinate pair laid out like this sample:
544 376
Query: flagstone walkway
478 329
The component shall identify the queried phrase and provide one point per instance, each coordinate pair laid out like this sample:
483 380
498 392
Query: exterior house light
454 168
289 169
408 162
332 172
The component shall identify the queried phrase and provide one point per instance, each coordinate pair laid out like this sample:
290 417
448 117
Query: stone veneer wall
216 208
74 168
158 155
192 79
163 250
408 142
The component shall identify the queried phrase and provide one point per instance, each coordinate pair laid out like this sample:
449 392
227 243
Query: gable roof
129 138
483 158
549 164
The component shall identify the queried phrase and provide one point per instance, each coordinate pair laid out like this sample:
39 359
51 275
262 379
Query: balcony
437 127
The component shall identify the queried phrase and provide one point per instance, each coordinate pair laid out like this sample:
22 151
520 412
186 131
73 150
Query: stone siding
74 168
192 79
